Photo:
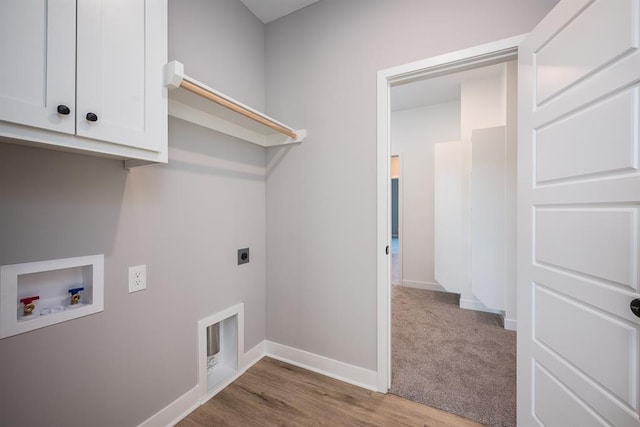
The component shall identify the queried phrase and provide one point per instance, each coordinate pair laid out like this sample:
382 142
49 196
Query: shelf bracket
174 78
173 74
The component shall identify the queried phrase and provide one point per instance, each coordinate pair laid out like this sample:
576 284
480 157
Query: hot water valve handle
27 310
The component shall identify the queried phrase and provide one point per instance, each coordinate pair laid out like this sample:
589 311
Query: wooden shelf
197 103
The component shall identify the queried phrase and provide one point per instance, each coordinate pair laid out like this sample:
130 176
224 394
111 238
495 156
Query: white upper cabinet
118 44
85 75
37 72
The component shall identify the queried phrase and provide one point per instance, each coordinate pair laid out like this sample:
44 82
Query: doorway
488 54
445 327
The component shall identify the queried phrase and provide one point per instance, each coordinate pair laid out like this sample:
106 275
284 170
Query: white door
578 216
37 70
120 71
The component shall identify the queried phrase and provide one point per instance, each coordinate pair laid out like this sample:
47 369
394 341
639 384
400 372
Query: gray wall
184 220
321 199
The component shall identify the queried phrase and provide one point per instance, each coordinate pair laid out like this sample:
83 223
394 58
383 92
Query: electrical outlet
137 278
243 256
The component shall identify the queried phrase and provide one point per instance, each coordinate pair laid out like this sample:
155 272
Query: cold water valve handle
29 306
75 295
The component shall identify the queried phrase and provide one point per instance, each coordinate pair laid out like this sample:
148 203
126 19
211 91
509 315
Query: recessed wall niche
38 294
220 363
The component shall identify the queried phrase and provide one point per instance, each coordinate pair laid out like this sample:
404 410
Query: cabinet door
37 71
119 66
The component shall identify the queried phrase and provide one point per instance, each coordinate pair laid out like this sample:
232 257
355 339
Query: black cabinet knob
63 109
91 117
635 306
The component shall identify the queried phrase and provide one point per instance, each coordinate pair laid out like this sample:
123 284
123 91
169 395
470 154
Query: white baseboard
171 414
427 286
188 402
253 356
249 359
470 304
510 324
177 410
351 374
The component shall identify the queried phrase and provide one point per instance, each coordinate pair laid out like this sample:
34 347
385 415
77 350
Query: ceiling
413 95
270 10
438 89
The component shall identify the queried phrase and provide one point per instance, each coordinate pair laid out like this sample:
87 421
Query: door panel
551 394
579 197
578 137
37 72
597 242
587 391
616 28
587 331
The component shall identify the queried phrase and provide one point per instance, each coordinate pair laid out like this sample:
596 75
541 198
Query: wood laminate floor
273 393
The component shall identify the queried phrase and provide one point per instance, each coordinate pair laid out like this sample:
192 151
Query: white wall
321 195
483 105
413 135
184 220
449 241
489 217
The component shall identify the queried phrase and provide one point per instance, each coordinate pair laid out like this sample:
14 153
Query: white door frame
486 54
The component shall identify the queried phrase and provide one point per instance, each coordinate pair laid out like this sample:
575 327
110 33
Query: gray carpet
461 361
